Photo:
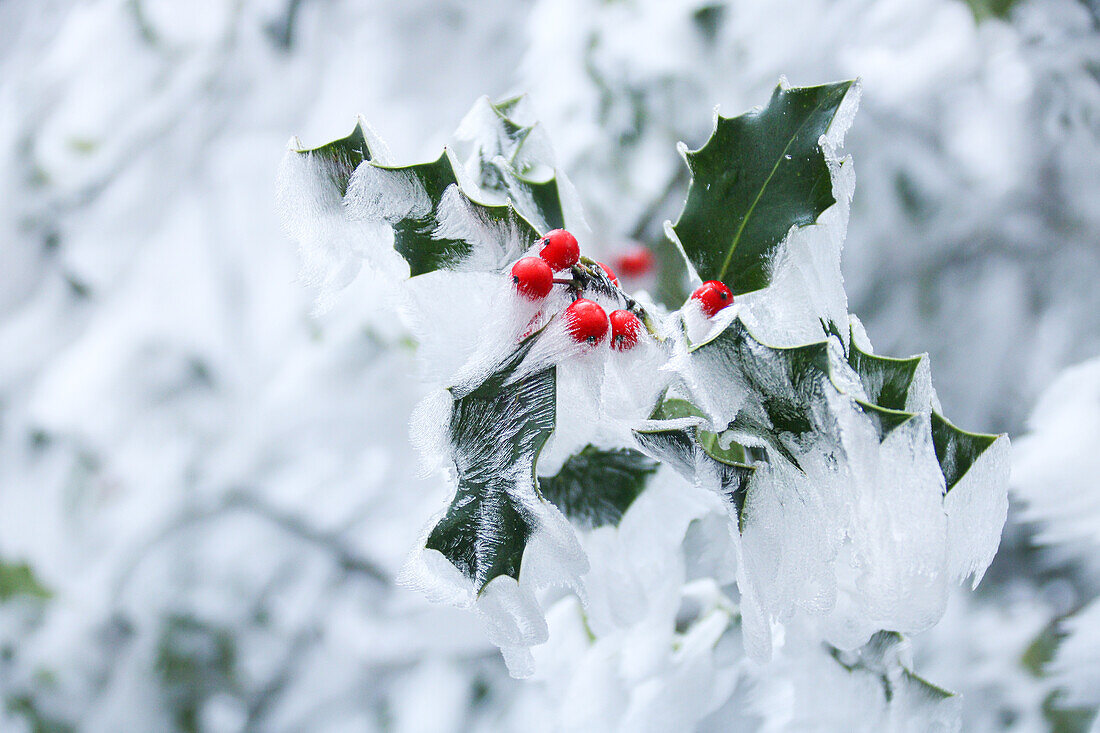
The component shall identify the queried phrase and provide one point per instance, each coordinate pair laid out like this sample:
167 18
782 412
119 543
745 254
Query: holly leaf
758 175
19 580
887 381
436 225
539 201
340 158
882 659
956 449
674 436
785 387
783 384
497 429
675 408
511 158
595 486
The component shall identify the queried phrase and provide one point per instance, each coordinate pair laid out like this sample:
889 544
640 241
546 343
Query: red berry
635 262
624 330
713 296
560 249
586 321
532 277
610 273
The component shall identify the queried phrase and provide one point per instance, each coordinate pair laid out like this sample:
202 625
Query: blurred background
206 489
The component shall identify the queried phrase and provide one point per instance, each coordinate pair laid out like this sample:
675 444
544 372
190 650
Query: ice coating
847 520
617 658
493 244
383 194
869 689
896 541
977 507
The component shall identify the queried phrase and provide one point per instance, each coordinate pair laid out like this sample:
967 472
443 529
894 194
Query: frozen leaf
889 382
310 190
765 392
909 697
760 174
340 158
436 224
513 159
497 429
595 486
844 514
675 436
957 450
975 469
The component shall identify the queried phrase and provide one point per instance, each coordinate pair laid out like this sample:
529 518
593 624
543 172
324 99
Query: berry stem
584 272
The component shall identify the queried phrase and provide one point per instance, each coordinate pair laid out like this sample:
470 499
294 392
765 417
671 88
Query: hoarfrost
332 246
383 194
493 243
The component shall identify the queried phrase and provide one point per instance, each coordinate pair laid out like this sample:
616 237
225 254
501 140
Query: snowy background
207 488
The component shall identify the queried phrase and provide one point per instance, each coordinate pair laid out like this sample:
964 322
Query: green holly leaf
885 420
758 175
510 162
19 580
786 387
595 486
675 436
887 381
340 158
675 408
539 201
956 449
880 659
497 429
436 225
783 384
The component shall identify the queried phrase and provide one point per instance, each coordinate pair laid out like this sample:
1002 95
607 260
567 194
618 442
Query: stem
588 270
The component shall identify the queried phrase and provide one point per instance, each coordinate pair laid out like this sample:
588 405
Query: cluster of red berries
585 320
